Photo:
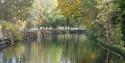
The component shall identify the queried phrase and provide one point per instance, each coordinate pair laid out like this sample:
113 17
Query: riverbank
27 35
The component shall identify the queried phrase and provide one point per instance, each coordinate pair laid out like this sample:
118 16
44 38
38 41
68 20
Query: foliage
29 24
10 31
103 18
107 10
11 9
20 25
71 9
121 17
105 25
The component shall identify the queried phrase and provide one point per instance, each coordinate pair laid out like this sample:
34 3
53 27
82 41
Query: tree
107 26
13 11
70 8
121 17
41 9
10 9
102 26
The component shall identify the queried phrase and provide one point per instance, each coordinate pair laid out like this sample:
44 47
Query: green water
58 49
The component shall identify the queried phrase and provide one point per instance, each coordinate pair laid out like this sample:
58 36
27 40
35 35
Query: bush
10 31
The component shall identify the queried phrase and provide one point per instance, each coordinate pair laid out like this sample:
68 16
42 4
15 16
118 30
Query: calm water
58 49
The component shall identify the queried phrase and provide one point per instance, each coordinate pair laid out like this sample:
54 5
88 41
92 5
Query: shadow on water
65 48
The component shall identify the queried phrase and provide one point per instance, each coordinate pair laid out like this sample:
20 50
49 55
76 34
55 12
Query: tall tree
69 8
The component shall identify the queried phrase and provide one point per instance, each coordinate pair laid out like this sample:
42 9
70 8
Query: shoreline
5 42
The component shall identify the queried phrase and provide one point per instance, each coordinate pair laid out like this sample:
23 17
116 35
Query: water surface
71 48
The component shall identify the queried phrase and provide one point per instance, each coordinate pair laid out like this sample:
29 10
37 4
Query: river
70 48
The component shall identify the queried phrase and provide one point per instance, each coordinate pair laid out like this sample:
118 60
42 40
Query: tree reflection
57 49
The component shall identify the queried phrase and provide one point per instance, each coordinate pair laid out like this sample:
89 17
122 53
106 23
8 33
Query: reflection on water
58 49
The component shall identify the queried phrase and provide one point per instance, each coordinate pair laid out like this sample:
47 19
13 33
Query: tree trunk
114 48
39 33
67 24
78 28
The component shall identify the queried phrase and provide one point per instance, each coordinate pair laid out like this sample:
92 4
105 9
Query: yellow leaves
64 7
37 22
8 29
9 26
68 7
105 8
89 24
20 25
